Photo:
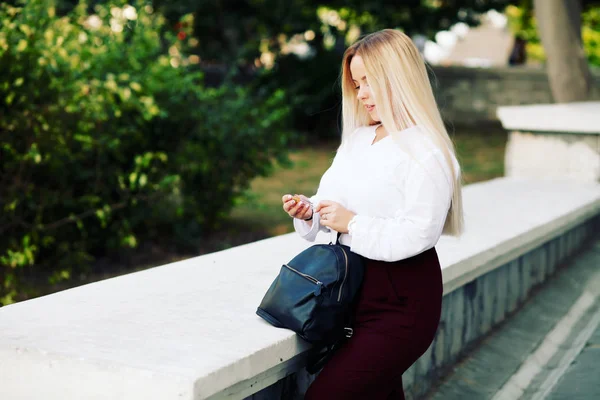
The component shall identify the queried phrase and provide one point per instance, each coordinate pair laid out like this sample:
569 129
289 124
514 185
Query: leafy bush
108 138
299 45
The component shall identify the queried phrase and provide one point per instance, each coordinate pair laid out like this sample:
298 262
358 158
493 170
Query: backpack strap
316 361
337 240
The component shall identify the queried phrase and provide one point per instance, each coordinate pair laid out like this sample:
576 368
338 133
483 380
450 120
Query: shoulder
414 142
350 139
359 132
417 148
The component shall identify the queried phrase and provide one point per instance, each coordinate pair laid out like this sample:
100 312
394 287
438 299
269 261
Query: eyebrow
362 79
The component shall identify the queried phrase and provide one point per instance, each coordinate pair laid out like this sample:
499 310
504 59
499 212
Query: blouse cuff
351 224
359 235
306 231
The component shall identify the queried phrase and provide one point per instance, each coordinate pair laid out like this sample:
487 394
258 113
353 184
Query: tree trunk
559 26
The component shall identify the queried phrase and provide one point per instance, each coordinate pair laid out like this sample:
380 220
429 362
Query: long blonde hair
399 83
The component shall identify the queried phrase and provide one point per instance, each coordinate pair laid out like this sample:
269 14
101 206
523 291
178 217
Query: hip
401 295
416 276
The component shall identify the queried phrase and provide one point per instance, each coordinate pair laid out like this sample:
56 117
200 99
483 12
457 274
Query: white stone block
553 156
553 141
581 117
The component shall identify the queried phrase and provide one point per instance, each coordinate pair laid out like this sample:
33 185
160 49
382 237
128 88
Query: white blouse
400 200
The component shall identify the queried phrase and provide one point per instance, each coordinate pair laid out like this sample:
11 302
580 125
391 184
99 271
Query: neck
380 131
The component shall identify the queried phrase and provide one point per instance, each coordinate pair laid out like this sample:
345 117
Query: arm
415 227
309 229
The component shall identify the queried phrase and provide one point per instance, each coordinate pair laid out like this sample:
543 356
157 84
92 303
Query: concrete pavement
582 377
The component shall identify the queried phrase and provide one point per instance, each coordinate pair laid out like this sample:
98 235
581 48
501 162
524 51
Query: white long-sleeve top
401 201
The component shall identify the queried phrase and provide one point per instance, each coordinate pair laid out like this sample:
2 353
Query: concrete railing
188 330
559 141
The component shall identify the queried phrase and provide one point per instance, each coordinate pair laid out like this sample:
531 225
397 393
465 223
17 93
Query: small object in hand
298 199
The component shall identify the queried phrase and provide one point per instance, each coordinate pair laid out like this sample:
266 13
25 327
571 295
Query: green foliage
260 37
590 33
523 23
109 138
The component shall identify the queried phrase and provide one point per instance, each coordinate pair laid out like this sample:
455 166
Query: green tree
110 138
299 44
565 35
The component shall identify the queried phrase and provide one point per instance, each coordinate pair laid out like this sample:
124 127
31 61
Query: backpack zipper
310 278
344 280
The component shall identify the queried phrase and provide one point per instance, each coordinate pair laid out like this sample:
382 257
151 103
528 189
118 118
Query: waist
428 256
345 238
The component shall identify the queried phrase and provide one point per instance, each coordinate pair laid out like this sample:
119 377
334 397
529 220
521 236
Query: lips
369 107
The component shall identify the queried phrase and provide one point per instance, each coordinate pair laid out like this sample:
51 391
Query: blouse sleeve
326 185
307 231
415 227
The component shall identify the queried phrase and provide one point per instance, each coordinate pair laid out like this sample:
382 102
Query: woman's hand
297 206
334 215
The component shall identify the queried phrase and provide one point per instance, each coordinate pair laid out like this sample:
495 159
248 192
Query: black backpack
313 295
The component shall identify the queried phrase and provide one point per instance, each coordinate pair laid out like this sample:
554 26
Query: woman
392 189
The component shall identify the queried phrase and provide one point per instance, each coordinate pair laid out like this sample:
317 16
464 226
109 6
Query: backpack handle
337 240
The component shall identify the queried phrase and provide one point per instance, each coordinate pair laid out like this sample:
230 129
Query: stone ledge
515 72
582 118
187 330
480 250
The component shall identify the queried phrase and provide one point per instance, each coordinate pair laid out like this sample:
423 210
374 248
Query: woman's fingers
297 209
326 210
288 205
324 204
304 199
302 211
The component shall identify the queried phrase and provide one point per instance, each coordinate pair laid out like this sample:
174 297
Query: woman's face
363 91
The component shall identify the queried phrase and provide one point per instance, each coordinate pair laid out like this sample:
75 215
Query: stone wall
471 95
469 313
558 141
465 95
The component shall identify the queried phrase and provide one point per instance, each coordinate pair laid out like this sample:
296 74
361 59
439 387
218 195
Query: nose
362 93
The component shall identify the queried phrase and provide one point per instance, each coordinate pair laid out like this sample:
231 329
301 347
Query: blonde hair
399 83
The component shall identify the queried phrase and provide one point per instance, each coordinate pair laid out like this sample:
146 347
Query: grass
480 153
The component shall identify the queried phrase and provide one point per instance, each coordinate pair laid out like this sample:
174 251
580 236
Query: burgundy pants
396 317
